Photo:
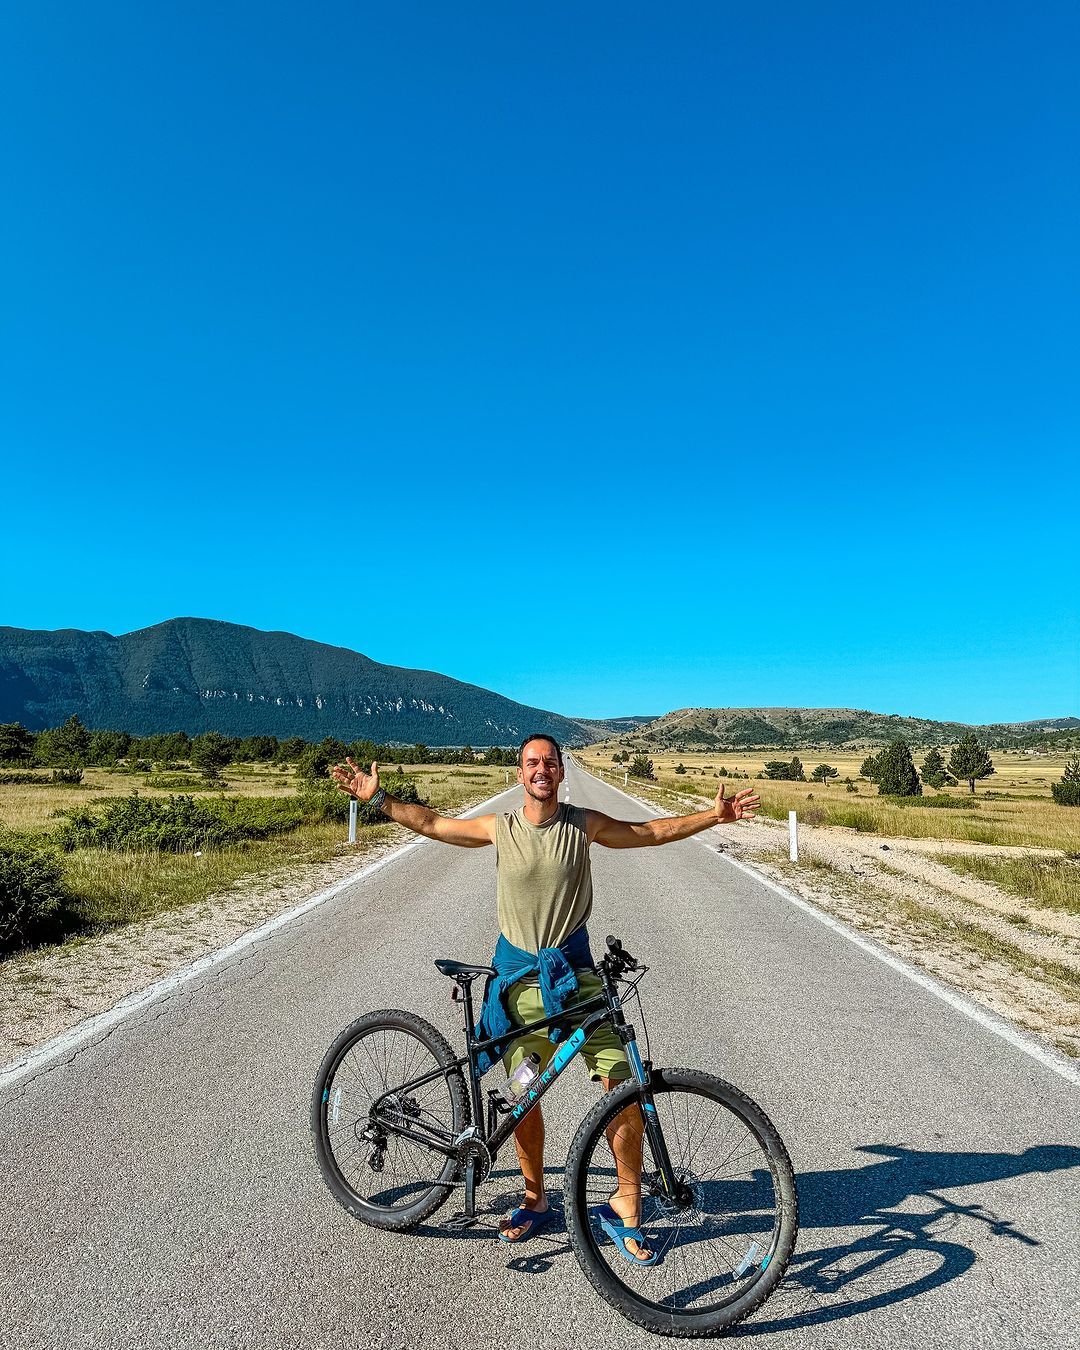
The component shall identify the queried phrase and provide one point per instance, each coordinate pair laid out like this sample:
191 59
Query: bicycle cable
635 994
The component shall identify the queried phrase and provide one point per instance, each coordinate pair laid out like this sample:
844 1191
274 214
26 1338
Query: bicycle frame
492 1132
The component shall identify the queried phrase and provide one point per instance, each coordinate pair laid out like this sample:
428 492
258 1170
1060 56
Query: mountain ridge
198 675
806 728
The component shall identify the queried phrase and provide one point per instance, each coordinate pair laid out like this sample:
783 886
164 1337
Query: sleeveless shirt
544 877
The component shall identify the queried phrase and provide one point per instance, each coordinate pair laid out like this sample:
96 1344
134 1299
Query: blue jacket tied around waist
557 969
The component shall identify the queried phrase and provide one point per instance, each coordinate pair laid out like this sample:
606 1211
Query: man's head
540 767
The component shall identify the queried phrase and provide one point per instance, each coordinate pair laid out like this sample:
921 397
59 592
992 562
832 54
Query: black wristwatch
378 799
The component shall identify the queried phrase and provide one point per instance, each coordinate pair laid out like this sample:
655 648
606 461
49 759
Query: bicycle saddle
459 968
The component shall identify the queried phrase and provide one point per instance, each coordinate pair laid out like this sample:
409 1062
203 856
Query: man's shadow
891 1256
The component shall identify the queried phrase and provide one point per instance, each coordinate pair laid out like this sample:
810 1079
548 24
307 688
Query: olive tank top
544 877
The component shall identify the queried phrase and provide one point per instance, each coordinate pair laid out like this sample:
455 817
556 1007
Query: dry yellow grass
1013 807
445 786
112 887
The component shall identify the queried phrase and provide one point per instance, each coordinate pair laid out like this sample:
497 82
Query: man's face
540 773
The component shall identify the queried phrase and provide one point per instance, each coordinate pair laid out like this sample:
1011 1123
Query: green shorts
603 1052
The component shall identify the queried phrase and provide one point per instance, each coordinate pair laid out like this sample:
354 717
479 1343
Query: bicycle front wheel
369 1121
722 1250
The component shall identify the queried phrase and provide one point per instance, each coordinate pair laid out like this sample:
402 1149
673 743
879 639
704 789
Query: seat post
465 982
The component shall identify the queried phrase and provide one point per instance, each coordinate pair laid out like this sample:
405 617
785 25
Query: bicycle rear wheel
726 1249
388 1180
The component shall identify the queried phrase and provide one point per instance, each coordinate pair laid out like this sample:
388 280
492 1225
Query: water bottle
521 1079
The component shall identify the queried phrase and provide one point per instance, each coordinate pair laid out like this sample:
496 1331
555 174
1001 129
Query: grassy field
111 887
1013 807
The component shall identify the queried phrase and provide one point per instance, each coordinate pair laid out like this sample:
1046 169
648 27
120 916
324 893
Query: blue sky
617 357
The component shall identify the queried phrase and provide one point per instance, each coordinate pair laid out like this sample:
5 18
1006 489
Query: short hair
539 736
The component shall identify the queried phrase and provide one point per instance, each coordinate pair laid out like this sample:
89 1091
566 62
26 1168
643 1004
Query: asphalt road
160 1190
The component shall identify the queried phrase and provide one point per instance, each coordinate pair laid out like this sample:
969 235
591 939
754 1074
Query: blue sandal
618 1232
535 1218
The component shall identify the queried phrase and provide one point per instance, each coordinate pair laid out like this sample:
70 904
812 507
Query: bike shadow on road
892 1233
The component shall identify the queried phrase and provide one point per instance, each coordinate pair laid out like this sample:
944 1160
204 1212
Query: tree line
74 746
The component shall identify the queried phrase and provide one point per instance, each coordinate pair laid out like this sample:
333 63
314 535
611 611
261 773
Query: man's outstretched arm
648 833
363 786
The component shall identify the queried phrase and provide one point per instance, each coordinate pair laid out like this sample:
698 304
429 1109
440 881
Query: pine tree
933 769
823 773
65 747
896 774
1067 792
16 743
869 768
970 760
641 767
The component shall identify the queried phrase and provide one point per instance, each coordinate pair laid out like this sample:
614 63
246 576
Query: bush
183 782
641 767
24 780
67 777
31 890
143 824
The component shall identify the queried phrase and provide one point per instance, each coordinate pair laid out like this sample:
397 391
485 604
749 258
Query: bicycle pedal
460 1222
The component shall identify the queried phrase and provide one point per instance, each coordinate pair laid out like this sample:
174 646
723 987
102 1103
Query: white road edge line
1049 1058
82 1032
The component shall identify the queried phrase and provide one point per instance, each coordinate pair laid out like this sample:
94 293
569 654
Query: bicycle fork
675 1190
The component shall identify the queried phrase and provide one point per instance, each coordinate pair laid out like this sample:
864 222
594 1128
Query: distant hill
819 728
199 675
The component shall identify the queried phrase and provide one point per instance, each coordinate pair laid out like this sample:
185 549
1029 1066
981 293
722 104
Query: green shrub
25 780
145 824
171 782
31 890
67 777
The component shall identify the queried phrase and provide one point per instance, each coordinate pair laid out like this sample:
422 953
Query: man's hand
357 784
728 809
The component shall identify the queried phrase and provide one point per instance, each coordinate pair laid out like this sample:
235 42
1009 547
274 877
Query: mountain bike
399 1123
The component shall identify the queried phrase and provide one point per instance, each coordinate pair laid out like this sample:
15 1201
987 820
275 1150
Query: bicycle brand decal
559 1061
566 1053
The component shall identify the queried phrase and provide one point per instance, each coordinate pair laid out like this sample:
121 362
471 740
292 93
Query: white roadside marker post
625 779
507 774
353 806
793 832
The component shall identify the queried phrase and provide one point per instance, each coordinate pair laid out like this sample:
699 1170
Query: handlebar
618 958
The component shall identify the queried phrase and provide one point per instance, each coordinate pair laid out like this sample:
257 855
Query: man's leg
529 1142
624 1136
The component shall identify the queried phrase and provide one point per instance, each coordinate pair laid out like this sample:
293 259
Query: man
544 902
